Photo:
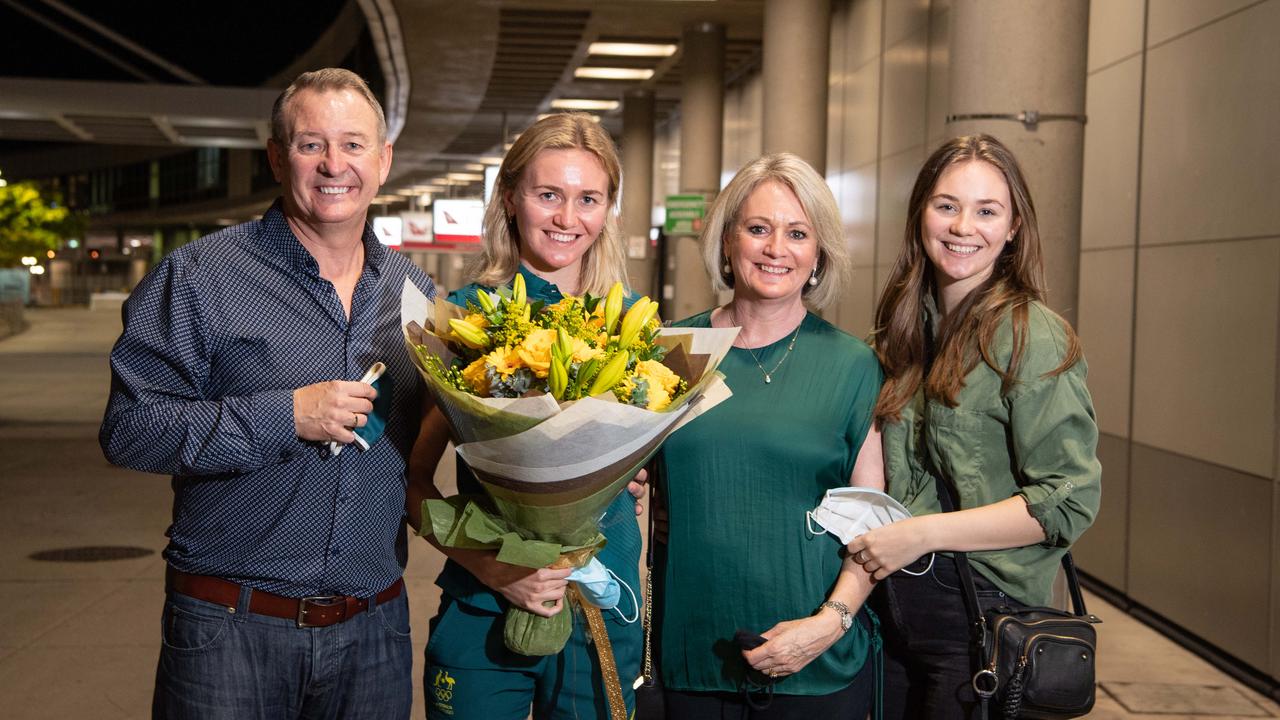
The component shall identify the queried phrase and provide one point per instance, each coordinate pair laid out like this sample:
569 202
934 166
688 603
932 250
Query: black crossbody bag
1034 662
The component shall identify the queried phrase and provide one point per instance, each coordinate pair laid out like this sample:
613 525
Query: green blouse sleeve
1054 436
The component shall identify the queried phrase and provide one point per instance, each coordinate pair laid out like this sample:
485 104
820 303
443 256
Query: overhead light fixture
474 167
469 177
613 73
491 160
631 49
407 192
584 104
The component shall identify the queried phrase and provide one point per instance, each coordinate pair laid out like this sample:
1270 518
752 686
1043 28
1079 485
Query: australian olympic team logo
443 689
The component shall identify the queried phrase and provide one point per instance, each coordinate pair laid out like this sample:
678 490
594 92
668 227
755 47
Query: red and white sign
417 230
457 222
388 230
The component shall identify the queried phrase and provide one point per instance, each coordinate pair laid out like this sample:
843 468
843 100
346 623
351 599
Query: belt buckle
320 600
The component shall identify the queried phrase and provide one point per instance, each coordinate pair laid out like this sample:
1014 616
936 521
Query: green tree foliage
30 225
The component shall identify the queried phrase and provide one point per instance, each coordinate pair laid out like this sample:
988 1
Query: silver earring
727 269
813 276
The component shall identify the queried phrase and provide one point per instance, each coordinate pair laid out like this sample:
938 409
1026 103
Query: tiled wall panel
1109 193
1101 550
1115 31
906 93
1199 552
1169 18
1106 329
1210 145
1205 354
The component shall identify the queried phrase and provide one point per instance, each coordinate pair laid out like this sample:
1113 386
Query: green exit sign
685 214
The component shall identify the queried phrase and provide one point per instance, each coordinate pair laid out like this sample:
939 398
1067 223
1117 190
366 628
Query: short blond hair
818 203
605 261
323 80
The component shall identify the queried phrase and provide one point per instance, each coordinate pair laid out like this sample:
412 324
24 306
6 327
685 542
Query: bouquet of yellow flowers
506 347
554 408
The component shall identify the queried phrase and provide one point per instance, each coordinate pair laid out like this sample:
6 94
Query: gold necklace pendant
768 374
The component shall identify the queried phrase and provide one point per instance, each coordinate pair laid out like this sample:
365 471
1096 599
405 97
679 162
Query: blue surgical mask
597 584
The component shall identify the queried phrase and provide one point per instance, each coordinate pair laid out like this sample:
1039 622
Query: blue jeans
929 659
215 663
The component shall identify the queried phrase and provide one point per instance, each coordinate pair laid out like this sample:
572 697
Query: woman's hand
792 644
524 587
889 548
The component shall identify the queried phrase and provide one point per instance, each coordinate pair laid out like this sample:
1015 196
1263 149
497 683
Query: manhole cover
91 553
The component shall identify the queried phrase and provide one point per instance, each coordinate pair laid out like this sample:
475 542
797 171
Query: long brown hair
966 334
605 262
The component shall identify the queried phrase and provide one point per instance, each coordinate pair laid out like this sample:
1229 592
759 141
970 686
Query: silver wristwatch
846 617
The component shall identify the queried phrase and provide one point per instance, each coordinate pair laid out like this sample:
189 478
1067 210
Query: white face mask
848 512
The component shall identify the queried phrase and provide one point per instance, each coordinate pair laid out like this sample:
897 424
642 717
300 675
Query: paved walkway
80 639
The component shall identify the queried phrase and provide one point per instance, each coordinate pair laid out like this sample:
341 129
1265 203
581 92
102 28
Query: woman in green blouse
739 479
985 390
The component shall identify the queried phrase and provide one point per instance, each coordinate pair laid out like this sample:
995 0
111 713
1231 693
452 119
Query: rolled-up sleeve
158 418
1054 435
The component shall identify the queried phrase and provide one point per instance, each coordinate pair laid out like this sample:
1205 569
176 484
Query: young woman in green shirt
985 390
551 219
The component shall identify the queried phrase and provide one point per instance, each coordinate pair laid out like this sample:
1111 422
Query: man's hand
639 487
330 411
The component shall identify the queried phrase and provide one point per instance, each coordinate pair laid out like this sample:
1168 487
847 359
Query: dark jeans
218 664
929 660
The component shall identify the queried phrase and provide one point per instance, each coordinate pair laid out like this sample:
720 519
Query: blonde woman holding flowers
738 480
551 220
984 399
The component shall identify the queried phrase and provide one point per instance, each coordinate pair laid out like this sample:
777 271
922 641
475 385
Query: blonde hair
818 203
323 80
605 261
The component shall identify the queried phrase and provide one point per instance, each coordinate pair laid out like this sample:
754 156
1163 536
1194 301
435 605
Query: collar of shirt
538 288
277 235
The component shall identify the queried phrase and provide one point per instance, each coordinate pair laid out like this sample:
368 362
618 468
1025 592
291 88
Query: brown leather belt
314 611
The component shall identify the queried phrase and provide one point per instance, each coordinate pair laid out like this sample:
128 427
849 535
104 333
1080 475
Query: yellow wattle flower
535 350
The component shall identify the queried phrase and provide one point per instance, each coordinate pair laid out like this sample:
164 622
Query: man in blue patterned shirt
236 371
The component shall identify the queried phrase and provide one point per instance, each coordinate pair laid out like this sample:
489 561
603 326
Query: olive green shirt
1038 441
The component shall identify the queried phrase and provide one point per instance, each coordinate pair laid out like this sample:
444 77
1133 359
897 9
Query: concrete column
1010 56
701 142
637 188
797 39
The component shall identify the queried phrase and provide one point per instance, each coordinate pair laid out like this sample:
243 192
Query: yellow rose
535 350
662 382
476 377
583 352
504 361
